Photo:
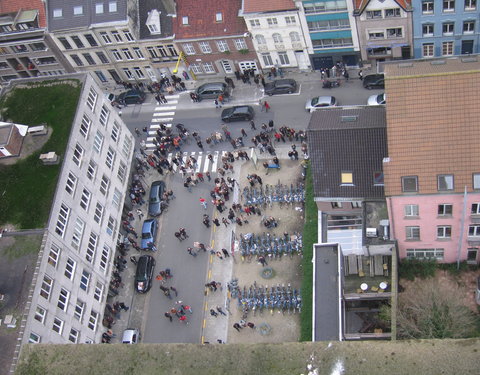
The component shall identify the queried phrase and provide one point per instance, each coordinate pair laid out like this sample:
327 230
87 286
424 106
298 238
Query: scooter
330 84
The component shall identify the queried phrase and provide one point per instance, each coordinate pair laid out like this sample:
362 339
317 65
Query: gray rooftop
348 139
5 134
166 8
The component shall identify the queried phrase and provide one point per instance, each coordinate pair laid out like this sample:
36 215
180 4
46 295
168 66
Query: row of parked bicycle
279 193
270 245
259 298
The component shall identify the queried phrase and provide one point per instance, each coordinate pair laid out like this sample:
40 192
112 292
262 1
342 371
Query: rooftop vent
405 65
469 59
349 118
438 62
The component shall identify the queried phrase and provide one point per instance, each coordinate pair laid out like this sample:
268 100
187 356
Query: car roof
325 99
242 108
286 81
158 183
213 84
147 224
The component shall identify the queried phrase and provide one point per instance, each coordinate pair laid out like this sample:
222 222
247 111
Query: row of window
445 182
448 28
277 38
444 209
385 13
205 47
79 10
428 6
22 48
332 43
472 254
218 19
273 21
412 233
391 33
325 6
346 178
328 25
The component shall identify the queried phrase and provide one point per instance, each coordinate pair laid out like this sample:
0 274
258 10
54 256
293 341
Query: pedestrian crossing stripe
166 119
159 114
203 163
169 108
157 126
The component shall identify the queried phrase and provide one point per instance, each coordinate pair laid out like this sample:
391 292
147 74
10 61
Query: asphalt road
185 211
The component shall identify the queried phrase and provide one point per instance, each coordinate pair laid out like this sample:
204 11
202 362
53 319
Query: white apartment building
75 262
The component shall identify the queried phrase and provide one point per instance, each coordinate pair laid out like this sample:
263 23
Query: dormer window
153 22
184 20
57 13
218 17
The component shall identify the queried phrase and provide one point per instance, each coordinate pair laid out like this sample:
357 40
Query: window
444 231
409 184
115 132
78 42
153 53
104 113
188 48
447 48
394 33
474 231
85 280
378 179
208 67
172 50
122 171
196 68
91 40
346 178
57 13
294 36
70 268
98 213
218 17
65 43
184 20
110 225
117 197
205 47
222 46
411 210
475 209
71 183
427 7
102 57
128 55
92 99
445 209
91 247
272 22
85 199
79 309
91 170
92 321
138 53
98 293
127 146
260 39
62 220
427 29
89 58
116 55
99 8
58 325
448 5
128 35
34 338
283 58
77 60
78 233
337 205
110 158
63 298
73 336
376 35
85 126
428 50
112 6
40 314
445 182
39 46
470 4
46 287
413 233
267 59
255 23
104 185
371 14
277 38
476 180
138 72
105 37
447 28
395 12
425 254
104 259
53 256
468 27
290 20
128 73
78 154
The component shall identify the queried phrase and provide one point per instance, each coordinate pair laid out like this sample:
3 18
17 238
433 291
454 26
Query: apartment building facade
277 33
26 49
432 175
77 254
117 40
445 28
384 29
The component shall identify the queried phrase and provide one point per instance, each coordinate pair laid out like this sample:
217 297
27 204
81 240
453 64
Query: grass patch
22 246
309 238
27 187
411 268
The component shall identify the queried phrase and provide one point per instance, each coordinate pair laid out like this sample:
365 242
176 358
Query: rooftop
13 6
5 133
265 6
165 8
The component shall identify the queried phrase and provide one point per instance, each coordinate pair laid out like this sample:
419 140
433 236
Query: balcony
279 47
297 45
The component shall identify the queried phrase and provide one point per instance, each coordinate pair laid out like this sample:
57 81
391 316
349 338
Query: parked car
131 97
212 90
155 198
131 336
149 233
144 273
281 86
238 113
377 99
320 102
374 81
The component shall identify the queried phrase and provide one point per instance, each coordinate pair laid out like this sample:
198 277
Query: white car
320 102
131 336
377 99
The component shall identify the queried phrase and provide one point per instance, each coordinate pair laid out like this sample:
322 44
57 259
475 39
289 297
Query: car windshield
381 98
154 200
314 101
146 235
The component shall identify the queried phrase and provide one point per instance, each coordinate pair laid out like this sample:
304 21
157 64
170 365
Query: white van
131 336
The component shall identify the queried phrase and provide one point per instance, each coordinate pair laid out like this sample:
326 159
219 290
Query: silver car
320 102
377 99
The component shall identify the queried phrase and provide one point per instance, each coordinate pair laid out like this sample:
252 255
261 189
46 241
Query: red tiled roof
362 4
11 6
254 6
201 19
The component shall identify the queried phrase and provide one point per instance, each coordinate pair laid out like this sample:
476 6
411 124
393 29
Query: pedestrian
179 236
216 222
203 202
219 255
191 251
252 125
213 313
244 133
139 213
122 306
266 105
360 74
225 221
137 131
251 325
262 260
145 130
133 259
168 316
220 310
237 326
209 178
183 319
206 221
225 253
202 247
173 289
183 232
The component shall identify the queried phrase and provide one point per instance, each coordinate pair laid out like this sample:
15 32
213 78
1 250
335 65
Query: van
131 336
131 97
213 90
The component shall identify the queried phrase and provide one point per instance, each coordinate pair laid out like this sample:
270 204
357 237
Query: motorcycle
330 84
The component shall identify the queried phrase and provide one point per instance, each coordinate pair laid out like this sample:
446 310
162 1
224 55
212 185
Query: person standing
216 222
168 316
237 326
266 105
203 202
225 253
191 251
360 74
213 313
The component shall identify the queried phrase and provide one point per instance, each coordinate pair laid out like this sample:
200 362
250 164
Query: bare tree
432 310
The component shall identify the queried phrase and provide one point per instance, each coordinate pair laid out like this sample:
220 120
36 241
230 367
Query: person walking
262 260
179 236
183 319
225 253
133 259
213 313
266 105
168 316
252 125
225 221
216 222
206 221
183 233
202 247
251 325
237 326
203 202
137 131
220 310
139 213
191 251
174 290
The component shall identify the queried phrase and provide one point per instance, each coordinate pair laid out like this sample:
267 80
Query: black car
374 81
144 274
238 113
155 198
281 86
131 97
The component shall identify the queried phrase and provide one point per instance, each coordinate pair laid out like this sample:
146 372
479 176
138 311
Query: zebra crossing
204 164
162 114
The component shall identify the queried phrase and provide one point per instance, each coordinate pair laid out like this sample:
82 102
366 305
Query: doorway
467 47
115 75
227 67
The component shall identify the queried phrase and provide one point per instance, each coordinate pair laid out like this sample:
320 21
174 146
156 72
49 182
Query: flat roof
5 133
